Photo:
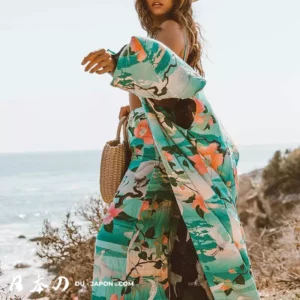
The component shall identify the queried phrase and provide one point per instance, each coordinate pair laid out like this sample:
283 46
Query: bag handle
122 123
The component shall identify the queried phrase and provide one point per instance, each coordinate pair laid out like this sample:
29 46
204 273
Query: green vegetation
282 174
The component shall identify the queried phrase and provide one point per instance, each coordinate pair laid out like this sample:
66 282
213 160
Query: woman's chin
158 15
158 12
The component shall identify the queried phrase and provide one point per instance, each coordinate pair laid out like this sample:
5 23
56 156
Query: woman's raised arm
149 68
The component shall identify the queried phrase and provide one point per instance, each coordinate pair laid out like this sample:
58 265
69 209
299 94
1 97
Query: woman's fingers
124 111
99 65
93 55
100 62
107 66
104 70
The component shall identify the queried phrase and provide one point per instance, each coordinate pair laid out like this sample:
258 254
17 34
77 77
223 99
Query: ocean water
35 186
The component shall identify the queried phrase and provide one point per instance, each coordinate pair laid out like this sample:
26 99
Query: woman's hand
124 111
100 61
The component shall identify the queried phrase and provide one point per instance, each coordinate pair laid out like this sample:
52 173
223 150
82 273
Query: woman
144 237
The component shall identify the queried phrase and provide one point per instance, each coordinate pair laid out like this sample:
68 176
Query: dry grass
275 256
274 252
6 294
69 251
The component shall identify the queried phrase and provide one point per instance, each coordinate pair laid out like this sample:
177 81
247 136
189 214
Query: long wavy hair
182 13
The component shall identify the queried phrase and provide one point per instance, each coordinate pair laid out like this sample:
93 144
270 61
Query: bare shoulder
172 35
170 25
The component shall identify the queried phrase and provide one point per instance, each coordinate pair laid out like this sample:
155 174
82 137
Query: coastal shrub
272 175
69 250
282 174
291 172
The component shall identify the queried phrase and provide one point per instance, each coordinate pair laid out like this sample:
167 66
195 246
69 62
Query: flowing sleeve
115 57
149 69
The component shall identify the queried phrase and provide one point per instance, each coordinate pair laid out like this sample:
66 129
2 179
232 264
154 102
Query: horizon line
295 144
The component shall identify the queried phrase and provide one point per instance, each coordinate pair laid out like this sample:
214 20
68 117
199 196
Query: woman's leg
185 276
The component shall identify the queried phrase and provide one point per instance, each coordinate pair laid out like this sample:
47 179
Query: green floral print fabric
192 170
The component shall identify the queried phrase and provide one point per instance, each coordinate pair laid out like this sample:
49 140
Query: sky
48 102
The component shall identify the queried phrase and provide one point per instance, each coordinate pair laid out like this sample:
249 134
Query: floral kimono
176 176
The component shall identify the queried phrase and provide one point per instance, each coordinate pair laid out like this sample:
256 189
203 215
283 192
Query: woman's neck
158 20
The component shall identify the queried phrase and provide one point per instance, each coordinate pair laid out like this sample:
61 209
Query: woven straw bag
114 163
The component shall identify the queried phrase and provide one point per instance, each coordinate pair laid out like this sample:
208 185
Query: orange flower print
168 156
235 178
181 186
225 287
111 213
136 46
216 160
142 131
144 206
199 109
211 121
200 201
155 205
199 163
115 297
232 271
211 153
165 240
138 151
208 150
238 245
164 273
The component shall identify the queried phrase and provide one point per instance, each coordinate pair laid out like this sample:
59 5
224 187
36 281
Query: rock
36 239
250 205
21 266
36 295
